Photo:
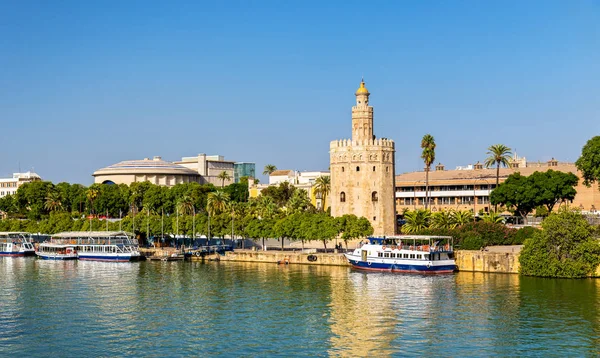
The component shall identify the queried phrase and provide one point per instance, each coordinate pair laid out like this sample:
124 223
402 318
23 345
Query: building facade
9 186
362 171
209 167
155 171
243 169
469 187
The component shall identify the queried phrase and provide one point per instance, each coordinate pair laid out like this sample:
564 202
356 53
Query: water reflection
247 309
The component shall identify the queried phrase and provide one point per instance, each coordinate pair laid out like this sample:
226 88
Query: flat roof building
469 188
9 186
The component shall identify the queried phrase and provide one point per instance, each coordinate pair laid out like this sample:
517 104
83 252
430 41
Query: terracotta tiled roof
282 172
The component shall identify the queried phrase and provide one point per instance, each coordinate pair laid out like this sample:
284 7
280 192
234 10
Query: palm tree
499 154
493 217
323 188
428 156
92 194
53 201
269 168
299 202
217 202
416 221
443 220
223 176
462 217
186 205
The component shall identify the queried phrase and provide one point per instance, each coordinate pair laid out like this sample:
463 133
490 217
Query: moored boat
413 254
113 246
16 244
56 251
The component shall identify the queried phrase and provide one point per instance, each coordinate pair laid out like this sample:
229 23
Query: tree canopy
589 162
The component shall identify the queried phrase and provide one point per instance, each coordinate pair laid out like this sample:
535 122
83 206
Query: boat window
387 254
405 256
380 254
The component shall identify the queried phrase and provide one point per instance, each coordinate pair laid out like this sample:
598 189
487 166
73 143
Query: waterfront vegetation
468 233
567 247
281 211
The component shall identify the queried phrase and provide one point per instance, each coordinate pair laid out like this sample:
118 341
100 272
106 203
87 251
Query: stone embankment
503 260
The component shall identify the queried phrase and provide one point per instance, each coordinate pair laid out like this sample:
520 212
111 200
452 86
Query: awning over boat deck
75 234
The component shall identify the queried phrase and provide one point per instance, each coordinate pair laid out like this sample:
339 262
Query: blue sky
84 84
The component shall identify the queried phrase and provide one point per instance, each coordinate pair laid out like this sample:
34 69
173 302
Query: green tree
492 217
299 202
92 194
416 220
564 248
53 201
323 188
31 199
238 192
428 156
589 162
498 154
462 217
443 219
280 194
517 194
269 169
552 187
352 227
223 176
217 202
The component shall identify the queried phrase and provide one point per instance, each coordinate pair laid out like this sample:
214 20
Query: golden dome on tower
362 89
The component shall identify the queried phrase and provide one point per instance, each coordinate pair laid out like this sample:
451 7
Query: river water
157 309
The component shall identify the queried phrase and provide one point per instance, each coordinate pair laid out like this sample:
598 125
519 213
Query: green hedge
474 236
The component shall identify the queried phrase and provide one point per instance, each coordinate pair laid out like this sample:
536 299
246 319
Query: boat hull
16 253
403 267
116 258
57 257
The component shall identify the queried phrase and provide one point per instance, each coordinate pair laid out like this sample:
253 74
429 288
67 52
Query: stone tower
362 171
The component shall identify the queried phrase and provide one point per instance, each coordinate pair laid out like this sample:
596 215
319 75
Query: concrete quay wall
476 261
483 261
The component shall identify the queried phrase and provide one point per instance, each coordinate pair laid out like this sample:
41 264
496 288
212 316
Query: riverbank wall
475 261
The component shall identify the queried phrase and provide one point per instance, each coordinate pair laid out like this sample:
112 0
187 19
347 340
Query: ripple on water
236 309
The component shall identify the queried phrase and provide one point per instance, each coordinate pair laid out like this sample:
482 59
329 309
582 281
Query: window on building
342 197
387 169
373 168
358 169
374 196
342 169
374 218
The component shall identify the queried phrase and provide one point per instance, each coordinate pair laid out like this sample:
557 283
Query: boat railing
96 241
422 248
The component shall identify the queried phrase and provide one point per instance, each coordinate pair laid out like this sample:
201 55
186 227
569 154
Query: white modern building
9 186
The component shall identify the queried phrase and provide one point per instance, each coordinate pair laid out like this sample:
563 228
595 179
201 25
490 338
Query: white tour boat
116 246
16 244
56 251
415 254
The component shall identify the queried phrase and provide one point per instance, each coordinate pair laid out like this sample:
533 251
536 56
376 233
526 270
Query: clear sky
85 84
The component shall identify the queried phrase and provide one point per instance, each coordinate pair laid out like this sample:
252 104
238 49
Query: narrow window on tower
342 169
342 197
374 196
358 169
373 168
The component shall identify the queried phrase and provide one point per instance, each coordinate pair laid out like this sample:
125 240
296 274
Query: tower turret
362 115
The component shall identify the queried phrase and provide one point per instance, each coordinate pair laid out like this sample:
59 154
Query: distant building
155 171
209 167
200 169
9 186
301 180
243 169
469 189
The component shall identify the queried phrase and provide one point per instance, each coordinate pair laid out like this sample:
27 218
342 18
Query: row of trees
523 194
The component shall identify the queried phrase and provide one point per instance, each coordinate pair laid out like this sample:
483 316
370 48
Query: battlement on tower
377 142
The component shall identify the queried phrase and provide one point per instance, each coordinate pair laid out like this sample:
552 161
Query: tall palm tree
186 205
323 188
499 154
223 176
92 194
53 201
428 156
269 168
217 202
